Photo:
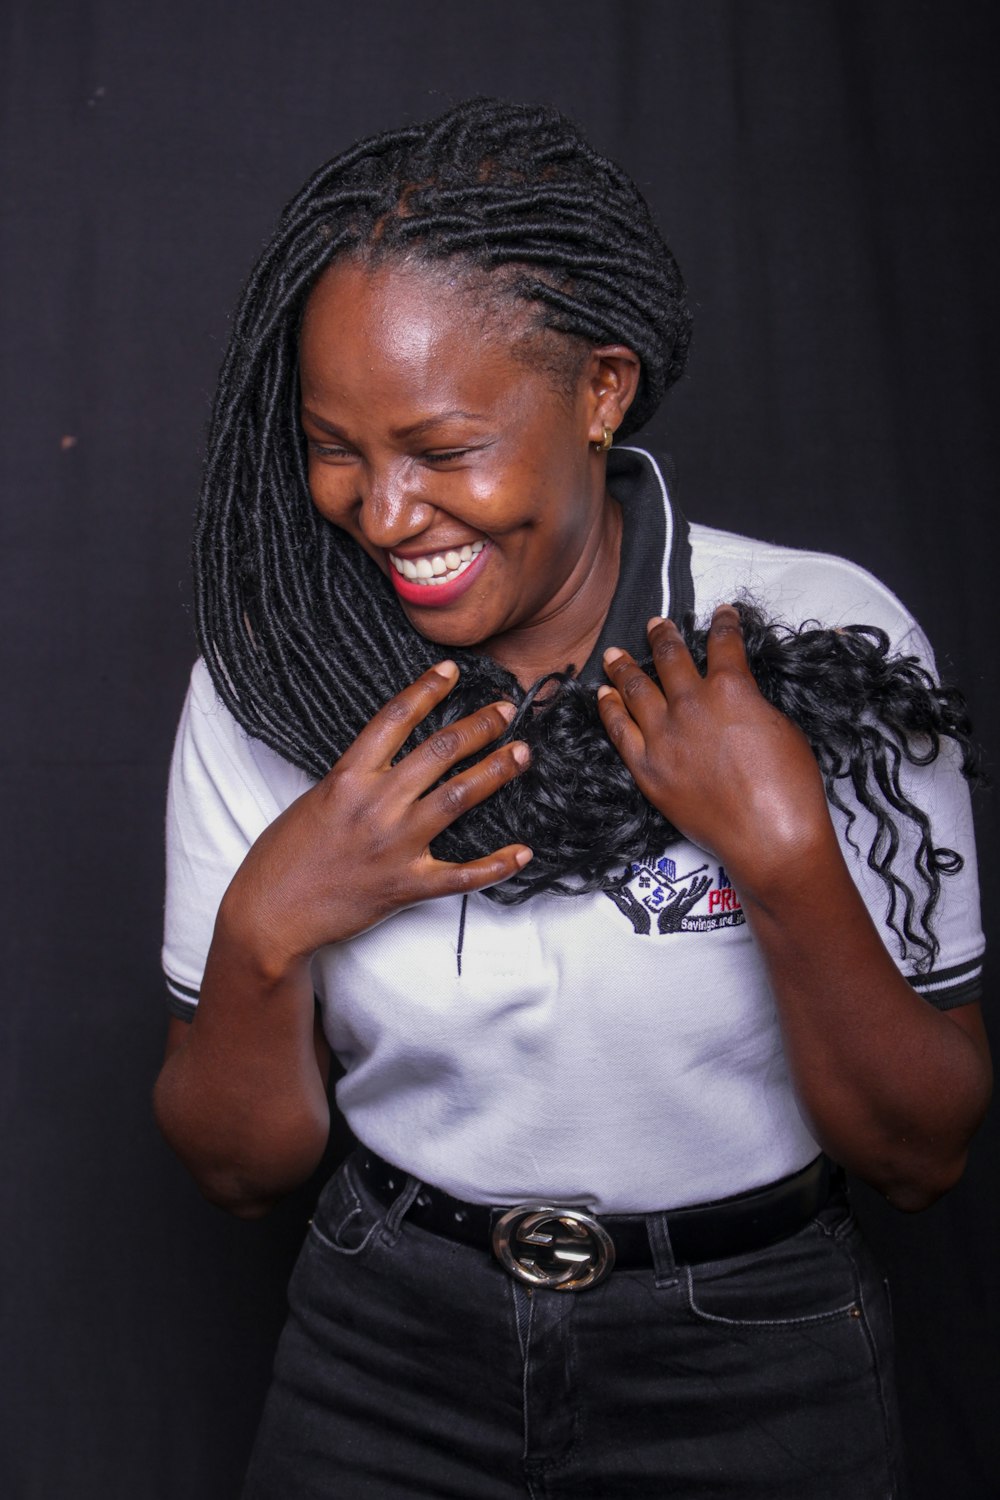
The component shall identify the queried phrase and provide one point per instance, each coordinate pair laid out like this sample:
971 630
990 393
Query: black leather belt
567 1249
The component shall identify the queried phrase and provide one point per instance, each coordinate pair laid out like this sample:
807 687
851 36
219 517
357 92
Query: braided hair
302 633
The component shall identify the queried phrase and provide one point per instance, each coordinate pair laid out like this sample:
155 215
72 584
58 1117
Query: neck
568 635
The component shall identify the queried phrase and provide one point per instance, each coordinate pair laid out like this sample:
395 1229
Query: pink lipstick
429 593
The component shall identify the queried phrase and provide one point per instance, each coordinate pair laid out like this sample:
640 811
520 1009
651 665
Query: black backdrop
823 171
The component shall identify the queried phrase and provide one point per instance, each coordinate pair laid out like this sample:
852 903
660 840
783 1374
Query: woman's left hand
729 771
890 1087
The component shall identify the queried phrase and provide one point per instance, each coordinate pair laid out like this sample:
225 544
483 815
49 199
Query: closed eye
445 455
329 450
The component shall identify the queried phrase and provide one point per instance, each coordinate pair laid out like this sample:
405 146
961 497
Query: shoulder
225 788
795 585
210 741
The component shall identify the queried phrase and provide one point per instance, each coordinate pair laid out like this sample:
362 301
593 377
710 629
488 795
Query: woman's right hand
356 847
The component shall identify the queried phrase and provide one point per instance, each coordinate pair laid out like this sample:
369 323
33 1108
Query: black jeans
412 1366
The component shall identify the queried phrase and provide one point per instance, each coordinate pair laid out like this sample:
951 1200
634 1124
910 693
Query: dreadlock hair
303 635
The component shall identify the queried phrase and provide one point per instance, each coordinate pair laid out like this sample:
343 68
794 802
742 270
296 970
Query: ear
612 379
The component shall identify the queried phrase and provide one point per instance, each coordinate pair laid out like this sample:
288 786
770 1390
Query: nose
394 507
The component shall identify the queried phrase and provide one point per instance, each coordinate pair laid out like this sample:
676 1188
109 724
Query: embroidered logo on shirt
656 890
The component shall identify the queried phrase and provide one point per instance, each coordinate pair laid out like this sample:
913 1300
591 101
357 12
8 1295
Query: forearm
891 1087
242 1100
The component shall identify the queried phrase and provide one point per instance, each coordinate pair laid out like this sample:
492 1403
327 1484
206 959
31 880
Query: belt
568 1249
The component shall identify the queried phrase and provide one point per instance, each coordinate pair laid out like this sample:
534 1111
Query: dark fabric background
824 173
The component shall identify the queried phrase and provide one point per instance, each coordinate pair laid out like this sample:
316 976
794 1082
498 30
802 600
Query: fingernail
446 668
522 857
521 753
604 690
612 654
506 711
656 620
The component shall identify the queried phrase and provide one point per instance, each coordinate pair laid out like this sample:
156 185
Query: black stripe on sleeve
945 988
182 1001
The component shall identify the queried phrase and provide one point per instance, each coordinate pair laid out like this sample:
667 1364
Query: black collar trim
653 529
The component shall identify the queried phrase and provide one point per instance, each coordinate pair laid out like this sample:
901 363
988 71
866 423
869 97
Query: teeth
438 568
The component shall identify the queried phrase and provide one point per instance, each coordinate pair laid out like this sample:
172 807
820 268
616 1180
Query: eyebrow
413 429
416 429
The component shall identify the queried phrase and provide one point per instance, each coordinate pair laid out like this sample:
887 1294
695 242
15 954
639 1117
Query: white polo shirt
615 1050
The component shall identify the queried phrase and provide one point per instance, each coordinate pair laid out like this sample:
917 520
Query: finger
673 661
445 879
385 735
443 749
638 692
619 726
726 651
458 794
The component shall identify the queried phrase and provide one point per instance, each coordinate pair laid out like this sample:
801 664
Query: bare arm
892 1088
242 1096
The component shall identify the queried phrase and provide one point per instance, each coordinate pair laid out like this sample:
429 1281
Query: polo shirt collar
654 575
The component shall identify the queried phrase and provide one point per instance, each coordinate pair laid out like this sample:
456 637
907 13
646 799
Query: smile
439 568
438 577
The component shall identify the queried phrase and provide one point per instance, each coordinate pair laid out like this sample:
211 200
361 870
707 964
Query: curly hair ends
864 712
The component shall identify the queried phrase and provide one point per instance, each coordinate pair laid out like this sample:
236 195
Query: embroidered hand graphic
680 904
633 909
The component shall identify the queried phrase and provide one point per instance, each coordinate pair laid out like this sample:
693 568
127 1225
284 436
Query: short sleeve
224 790
796 586
941 791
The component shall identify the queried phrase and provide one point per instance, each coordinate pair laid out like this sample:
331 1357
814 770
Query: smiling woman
446 439
621 963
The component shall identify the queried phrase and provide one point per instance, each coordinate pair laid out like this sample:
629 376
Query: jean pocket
346 1218
807 1279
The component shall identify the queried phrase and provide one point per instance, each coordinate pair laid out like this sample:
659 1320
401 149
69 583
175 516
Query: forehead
402 304
402 326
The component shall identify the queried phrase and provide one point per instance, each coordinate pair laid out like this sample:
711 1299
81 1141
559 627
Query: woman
616 962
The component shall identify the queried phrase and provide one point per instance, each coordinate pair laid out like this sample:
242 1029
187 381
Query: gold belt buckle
562 1249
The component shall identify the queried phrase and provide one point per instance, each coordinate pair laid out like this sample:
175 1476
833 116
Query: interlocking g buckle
559 1248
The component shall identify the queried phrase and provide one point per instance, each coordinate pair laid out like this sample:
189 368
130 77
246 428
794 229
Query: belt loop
400 1208
664 1265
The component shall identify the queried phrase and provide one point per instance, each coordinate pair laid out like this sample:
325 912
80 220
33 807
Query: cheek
330 494
532 498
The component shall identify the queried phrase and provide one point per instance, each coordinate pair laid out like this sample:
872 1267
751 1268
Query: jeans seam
344 1249
809 1319
542 1469
356 1207
877 1374
512 1287
524 1378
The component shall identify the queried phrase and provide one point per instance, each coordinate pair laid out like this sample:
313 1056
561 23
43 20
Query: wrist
790 871
252 939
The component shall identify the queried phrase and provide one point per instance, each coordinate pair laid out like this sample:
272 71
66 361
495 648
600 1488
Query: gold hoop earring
607 438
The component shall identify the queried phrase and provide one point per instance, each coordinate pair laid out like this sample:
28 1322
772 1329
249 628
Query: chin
438 631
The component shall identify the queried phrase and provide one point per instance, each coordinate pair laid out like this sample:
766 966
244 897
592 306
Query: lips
437 578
